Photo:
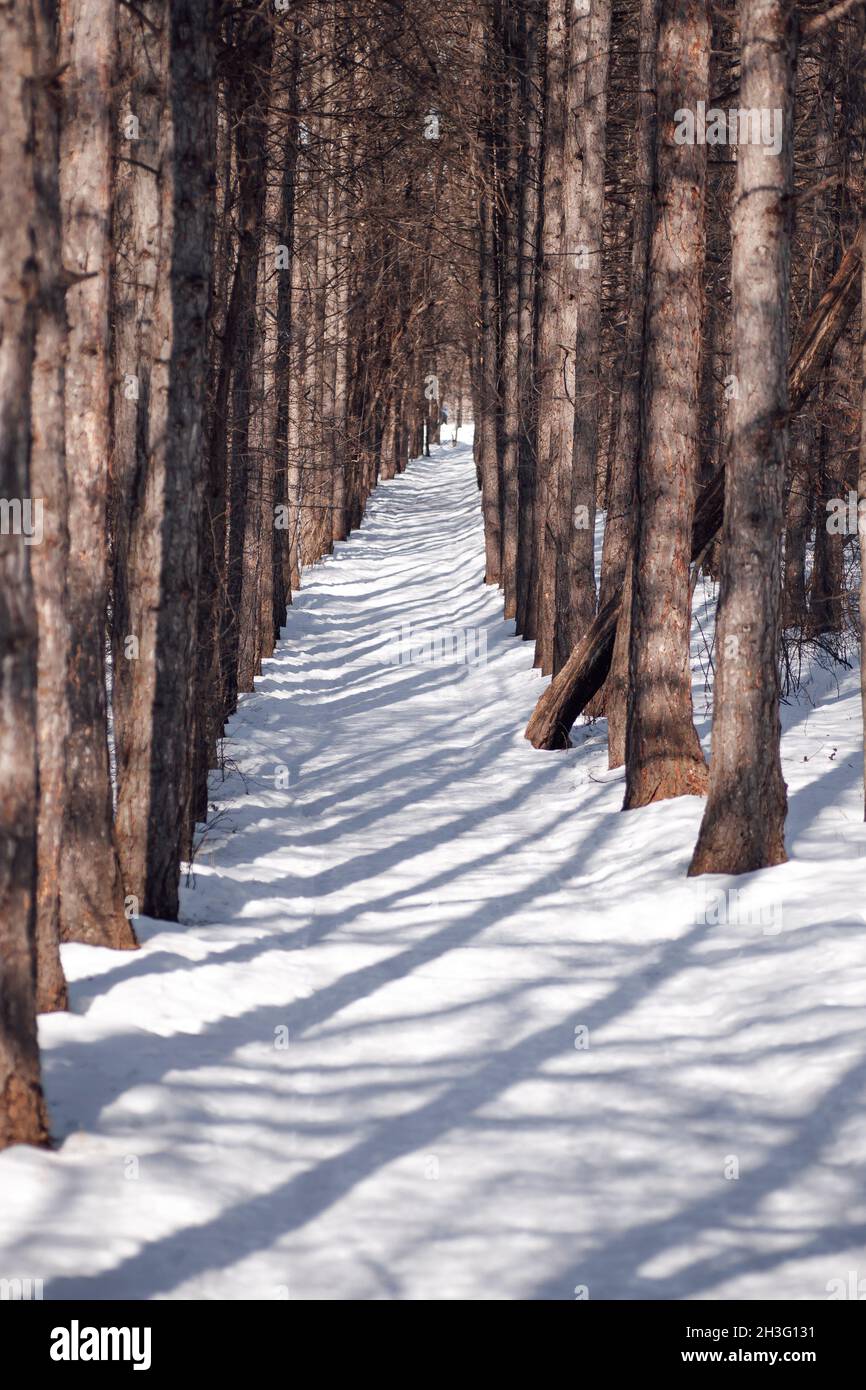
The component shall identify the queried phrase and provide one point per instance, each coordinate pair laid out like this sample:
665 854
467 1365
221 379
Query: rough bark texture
509 138
529 190
587 667
861 494
49 560
559 598
550 329
22 1109
153 681
663 753
92 899
209 683
576 594
797 529
619 524
248 99
282 595
488 392
743 827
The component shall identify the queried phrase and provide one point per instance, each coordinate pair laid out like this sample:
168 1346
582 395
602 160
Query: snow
441 1021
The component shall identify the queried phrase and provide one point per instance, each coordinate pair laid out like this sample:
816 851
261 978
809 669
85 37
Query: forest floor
441 1021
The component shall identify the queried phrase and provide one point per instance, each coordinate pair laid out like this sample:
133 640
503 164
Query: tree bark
488 382
617 548
92 897
576 592
551 333
22 1108
797 529
587 667
529 179
861 495
49 560
509 141
153 687
248 107
743 827
663 752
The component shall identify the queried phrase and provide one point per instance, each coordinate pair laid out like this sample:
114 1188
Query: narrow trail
440 1021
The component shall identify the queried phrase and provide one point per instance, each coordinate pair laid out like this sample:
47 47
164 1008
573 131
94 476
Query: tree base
22 1114
662 779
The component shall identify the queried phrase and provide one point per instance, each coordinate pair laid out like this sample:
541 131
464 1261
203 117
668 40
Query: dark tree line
691 365
226 296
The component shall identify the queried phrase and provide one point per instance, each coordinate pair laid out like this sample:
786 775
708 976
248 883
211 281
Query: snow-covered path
441 1021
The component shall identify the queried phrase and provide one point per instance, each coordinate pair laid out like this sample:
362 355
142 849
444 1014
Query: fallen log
586 669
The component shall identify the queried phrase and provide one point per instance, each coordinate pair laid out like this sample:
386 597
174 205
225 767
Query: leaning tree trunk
826 589
92 900
744 819
589 663
22 1108
663 752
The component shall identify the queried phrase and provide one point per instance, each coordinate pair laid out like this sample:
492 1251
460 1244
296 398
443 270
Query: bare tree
663 753
22 1109
618 545
92 900
49 560
165 197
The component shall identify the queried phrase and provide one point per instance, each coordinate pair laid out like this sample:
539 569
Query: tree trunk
92 897
509 141
861 527
49 560
550 328
663 753
488 384
209 681
575 591
827 587
744 819
248 107
282 387
618 543
153 687
22 1108
797 529
589 663
529 189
